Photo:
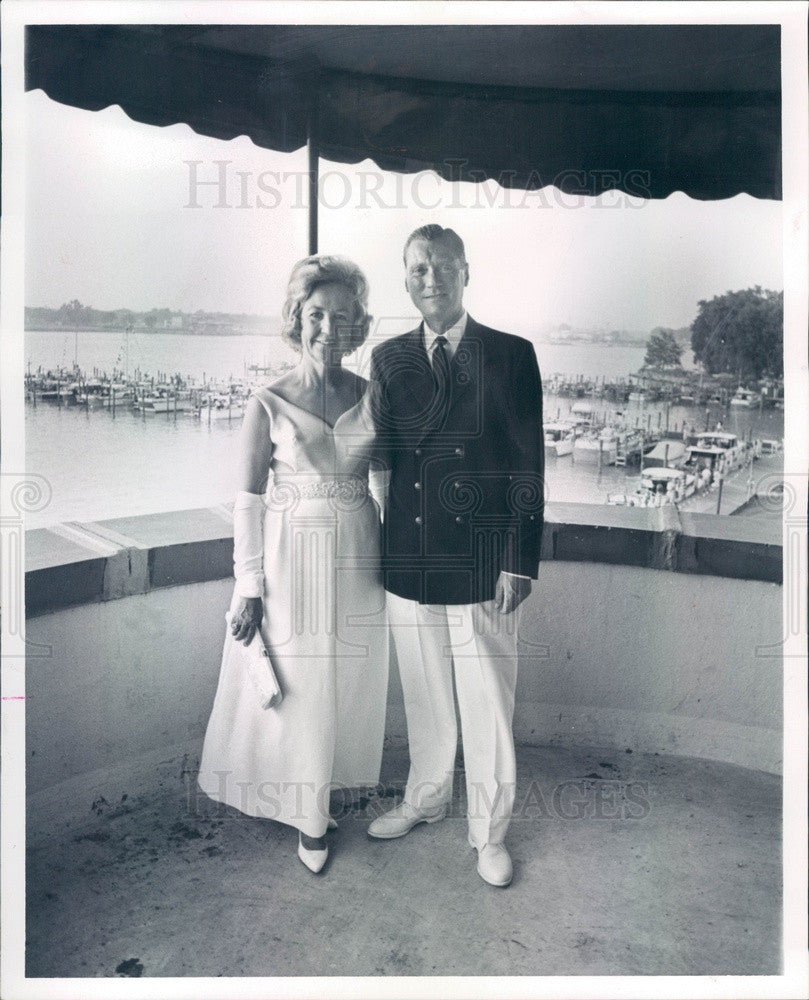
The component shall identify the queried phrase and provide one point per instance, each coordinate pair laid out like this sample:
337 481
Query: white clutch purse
258 665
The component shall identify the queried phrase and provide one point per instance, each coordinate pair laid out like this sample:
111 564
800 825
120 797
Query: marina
164 438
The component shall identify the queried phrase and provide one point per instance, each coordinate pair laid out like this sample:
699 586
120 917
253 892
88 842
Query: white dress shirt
453 335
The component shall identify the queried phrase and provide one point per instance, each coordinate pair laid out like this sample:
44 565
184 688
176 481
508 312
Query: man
459 416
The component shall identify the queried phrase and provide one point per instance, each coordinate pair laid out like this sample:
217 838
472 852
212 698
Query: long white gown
324 626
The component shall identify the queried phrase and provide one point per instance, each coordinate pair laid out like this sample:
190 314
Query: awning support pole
313 151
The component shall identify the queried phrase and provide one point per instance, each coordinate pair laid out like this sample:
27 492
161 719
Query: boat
630 445
222 407
68 394
771 446
717 451
90 393
637 396
670 454
559 438
746 398
581 409
163 403
659 487
600 447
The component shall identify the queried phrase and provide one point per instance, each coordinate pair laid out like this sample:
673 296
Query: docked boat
771 446
630 445
669 454
717 451
746 398
222 407
597 447
559 439
67 395
90 393
163 403
583 411
658 487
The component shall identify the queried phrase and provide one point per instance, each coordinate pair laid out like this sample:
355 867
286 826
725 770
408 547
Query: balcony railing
648 630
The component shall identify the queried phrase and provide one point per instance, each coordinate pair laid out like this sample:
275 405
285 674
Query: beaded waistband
348 488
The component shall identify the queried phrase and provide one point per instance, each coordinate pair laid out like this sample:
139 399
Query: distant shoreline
140 331
584 342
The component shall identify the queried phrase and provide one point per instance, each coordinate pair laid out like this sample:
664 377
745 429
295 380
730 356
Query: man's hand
510 592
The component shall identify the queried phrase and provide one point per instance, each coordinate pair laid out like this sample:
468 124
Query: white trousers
481 645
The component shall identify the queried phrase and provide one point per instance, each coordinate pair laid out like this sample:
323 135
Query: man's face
435 278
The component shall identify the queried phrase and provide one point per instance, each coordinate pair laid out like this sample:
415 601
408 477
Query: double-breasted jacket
466 464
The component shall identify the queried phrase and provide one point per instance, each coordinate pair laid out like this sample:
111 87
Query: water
99 466
219 357
226 356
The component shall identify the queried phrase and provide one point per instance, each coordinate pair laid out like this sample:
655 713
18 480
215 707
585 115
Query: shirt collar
453 335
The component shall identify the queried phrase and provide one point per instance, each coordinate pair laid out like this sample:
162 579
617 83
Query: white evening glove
248 544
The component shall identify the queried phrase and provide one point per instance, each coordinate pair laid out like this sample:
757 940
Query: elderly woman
306 558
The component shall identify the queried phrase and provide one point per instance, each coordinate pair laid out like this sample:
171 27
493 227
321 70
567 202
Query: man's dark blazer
467 466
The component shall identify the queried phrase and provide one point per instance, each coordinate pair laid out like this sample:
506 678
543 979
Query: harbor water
101 465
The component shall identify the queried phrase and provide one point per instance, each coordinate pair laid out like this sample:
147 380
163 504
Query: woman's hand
246 619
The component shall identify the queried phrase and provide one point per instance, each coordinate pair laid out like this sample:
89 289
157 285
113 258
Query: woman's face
328 318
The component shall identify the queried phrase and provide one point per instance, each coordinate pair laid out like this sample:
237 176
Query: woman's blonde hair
324 269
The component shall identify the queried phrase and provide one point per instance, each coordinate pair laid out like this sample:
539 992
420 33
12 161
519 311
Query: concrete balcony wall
645 632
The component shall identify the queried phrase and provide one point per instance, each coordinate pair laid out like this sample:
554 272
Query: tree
741 332
74 315
662 350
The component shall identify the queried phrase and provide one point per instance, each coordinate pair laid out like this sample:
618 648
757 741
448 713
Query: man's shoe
494 865
401 820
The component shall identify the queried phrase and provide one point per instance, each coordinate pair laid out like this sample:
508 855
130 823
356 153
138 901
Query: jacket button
456 485
416 486
530 517
459 520
418 451
418 520
459 451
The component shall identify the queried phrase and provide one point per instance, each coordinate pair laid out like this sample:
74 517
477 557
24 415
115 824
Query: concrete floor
624 864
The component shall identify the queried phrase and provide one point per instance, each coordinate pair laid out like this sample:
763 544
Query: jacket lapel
466 365
420 410
412 387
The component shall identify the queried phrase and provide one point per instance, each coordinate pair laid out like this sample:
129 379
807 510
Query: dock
755 478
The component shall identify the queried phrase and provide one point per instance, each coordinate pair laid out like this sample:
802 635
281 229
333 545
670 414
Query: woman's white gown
324 627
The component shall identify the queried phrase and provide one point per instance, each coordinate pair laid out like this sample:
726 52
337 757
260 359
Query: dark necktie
440 362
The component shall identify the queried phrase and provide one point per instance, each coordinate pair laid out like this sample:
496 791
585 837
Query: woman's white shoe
314 860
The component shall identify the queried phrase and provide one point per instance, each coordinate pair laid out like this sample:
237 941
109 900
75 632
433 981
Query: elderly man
459 418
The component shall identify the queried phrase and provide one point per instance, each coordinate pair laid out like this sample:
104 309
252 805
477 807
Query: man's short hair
435 232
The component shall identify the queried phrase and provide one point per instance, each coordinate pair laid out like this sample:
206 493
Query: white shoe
494 865
401 820
314 860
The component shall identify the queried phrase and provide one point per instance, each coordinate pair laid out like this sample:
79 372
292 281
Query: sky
120 214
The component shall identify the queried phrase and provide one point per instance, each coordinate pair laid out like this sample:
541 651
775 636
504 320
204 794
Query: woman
306 559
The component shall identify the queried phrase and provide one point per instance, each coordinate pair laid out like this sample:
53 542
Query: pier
148 394
651 385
